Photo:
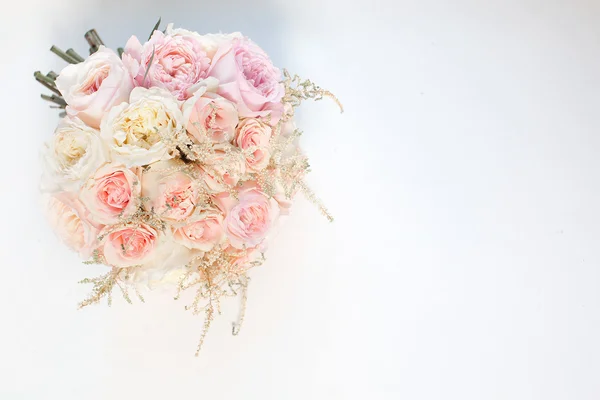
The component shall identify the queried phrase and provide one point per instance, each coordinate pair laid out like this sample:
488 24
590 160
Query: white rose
72 155
92 87
135 132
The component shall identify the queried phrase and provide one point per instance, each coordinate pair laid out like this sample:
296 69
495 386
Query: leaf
149 65
155 28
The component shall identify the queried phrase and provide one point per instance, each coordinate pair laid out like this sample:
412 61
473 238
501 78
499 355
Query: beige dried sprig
297 90
103 286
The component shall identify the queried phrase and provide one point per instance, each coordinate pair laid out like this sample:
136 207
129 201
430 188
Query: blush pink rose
224 168
249 221
113 192
172 62
171 193
128 246
243 259
211 117
248 78
70 221
94 86
201 231
252 136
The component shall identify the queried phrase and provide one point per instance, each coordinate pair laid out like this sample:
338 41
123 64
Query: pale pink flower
71 223
248 78
113 192
202 231
171 193
210 117
224 168
253 136
243 259
94 86
172 62
130 245
249 221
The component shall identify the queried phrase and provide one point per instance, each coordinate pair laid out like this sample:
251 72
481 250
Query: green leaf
155 28
149 65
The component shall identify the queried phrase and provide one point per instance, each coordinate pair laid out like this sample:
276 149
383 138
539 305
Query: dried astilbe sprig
103 286
297 90
213 277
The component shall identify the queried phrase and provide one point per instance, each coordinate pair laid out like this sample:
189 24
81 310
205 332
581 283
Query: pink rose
211 117
248 78
174 63
94 86
201 231
224 168
172 193
113 192
249 221
253 137
244 259
128 246
69 220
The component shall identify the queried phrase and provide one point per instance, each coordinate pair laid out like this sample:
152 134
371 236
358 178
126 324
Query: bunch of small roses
174 160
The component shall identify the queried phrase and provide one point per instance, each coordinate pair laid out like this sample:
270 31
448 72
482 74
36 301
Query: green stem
55 99
63 55
46 81
74 54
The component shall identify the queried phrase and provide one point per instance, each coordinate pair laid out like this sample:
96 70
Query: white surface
464 177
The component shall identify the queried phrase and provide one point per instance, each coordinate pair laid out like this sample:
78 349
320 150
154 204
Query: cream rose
94 86
71 223
113 192
72 155
253 137
172 193
135 132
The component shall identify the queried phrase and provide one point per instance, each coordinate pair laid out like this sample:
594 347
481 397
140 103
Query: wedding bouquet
173 161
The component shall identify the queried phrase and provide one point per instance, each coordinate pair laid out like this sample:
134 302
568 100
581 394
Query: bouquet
173 161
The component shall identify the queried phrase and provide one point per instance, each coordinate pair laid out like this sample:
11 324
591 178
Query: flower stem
74 54
55 99
46 81
63 55
93 40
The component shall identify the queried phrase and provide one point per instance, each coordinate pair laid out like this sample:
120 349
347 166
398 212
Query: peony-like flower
253 137
136 133
94 86
245 258
248 78
171 193
210 42
224 168
70 221
210 116
113 192
172 62
130 245
202 231
72 155
249 221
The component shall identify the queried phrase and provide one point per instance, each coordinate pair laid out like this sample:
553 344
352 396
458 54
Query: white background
464 178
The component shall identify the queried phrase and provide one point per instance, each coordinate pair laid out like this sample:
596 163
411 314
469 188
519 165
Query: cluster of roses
170 152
